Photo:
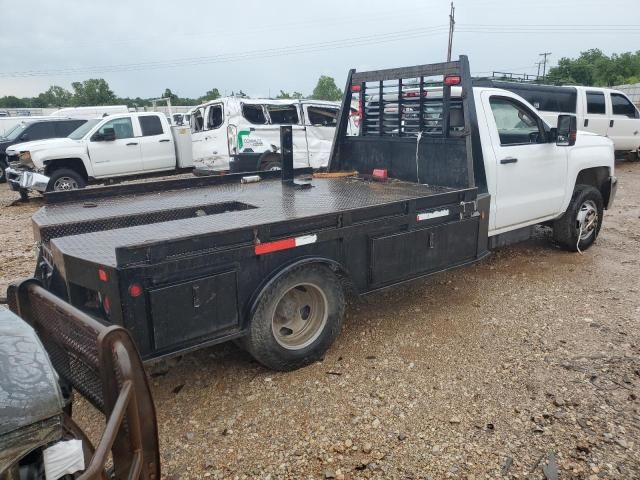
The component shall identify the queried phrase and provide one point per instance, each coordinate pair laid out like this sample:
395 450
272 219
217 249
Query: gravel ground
524 366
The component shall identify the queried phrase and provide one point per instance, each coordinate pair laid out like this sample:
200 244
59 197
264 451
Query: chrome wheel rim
587 220
65 183
300 316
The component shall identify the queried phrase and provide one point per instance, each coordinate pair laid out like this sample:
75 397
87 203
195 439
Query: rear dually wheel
297 318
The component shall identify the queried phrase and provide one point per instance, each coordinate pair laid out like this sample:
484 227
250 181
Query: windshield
16 131
82 130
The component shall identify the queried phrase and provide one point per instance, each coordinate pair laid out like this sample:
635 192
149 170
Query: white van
90 112
242 134
603 111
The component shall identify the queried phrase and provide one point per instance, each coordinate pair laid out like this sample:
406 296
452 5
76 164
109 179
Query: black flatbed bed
233 206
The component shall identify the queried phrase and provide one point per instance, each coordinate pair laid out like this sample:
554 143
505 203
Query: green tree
13 102
94 91
593 67
169 94
287 95
210 95
55 96
326 89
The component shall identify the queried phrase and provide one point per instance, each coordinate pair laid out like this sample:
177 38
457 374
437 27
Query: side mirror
108 135
566 131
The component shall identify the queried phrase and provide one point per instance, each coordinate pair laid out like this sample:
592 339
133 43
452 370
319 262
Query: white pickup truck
121 145
434 179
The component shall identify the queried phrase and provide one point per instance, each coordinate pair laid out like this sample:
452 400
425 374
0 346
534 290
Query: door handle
504 161
586 122
164 140
611 123
131 144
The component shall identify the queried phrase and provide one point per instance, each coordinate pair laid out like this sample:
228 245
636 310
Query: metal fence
631 91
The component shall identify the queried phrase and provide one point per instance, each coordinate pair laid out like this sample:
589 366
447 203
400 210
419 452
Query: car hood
38 145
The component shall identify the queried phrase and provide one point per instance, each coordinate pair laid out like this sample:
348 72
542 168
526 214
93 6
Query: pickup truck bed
95 230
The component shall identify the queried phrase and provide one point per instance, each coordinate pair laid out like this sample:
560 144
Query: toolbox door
197 309
401 256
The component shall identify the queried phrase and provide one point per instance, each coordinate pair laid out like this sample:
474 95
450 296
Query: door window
215 118
40 131
515 123
283 114
622 106
254 114
323 116
595 103
122 127
197 120
150 125
64 129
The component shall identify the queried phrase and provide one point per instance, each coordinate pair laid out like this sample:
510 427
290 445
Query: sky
142 47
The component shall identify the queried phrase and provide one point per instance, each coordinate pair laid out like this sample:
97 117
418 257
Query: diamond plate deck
250 206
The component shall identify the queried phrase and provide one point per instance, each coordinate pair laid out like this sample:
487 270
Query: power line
229 57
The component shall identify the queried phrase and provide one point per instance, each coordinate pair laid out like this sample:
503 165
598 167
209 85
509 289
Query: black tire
3 176
586 200
270 161
75 180
24 195
272 340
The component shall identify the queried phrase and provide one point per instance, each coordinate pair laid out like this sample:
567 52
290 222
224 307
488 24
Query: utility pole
452 22
539 64
544 62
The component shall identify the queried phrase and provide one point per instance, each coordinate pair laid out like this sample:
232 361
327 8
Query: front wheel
578 228
65 179
3 174
297 318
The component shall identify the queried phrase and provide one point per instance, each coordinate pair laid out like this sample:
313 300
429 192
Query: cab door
121 156
624 126
321 121
596 119
156 143
530 171
214 143
198 135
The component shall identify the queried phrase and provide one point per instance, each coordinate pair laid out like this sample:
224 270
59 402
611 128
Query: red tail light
135 290
355 88
450 80
380 174
103 276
